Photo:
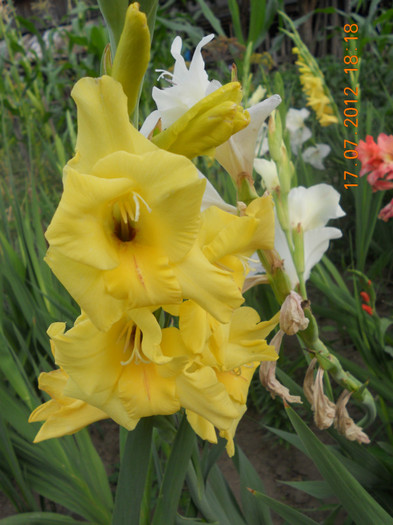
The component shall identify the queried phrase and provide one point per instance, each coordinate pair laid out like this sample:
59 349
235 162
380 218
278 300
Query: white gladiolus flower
312 208
314 155
237 154
189 86
298 131
267 169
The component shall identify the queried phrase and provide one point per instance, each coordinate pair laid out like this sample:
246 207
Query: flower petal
207 285
237 154
103 124
87 286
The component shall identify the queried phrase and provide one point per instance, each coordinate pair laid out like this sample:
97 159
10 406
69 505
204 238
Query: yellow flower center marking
126 214
132 341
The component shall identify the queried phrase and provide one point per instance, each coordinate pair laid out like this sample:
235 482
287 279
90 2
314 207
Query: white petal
189 86
316 242
150 123
314 155
211 197
237 154
267 169
313 207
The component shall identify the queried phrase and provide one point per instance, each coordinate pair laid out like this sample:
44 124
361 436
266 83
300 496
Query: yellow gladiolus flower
124 234
62 415
225 358
315 89
137 370
123 372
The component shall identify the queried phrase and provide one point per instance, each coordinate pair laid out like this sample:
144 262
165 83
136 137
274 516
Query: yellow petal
143 277
201 426
200 391
81 227
170 186
207 285
103 124
193 326
132 54
108 369
87 286
62 415
237 382
247 339
209 123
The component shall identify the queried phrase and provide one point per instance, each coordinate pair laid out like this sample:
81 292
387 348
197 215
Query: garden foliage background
42 56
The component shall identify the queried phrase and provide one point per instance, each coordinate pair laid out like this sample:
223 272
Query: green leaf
40 518
175 472
255 511
220 498
235 15
114 12
133 471
210 17
362 508
317 489
294 517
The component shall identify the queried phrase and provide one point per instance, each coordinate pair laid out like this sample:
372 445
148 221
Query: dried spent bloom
267 375
323 408
292 318
345 424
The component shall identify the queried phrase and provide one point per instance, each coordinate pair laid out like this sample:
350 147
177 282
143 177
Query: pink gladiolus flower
387 212
377 161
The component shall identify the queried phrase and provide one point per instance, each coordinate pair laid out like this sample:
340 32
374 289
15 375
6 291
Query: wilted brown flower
292 318
267 375
345 424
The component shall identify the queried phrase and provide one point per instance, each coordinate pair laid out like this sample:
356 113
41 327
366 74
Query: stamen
133 337
123 212
137 207
144 202
127 205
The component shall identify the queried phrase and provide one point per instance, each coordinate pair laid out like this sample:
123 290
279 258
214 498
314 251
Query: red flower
387 212
377 161
365 297
367 309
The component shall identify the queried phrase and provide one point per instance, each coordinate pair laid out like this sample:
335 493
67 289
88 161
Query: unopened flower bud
345 424
292 318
